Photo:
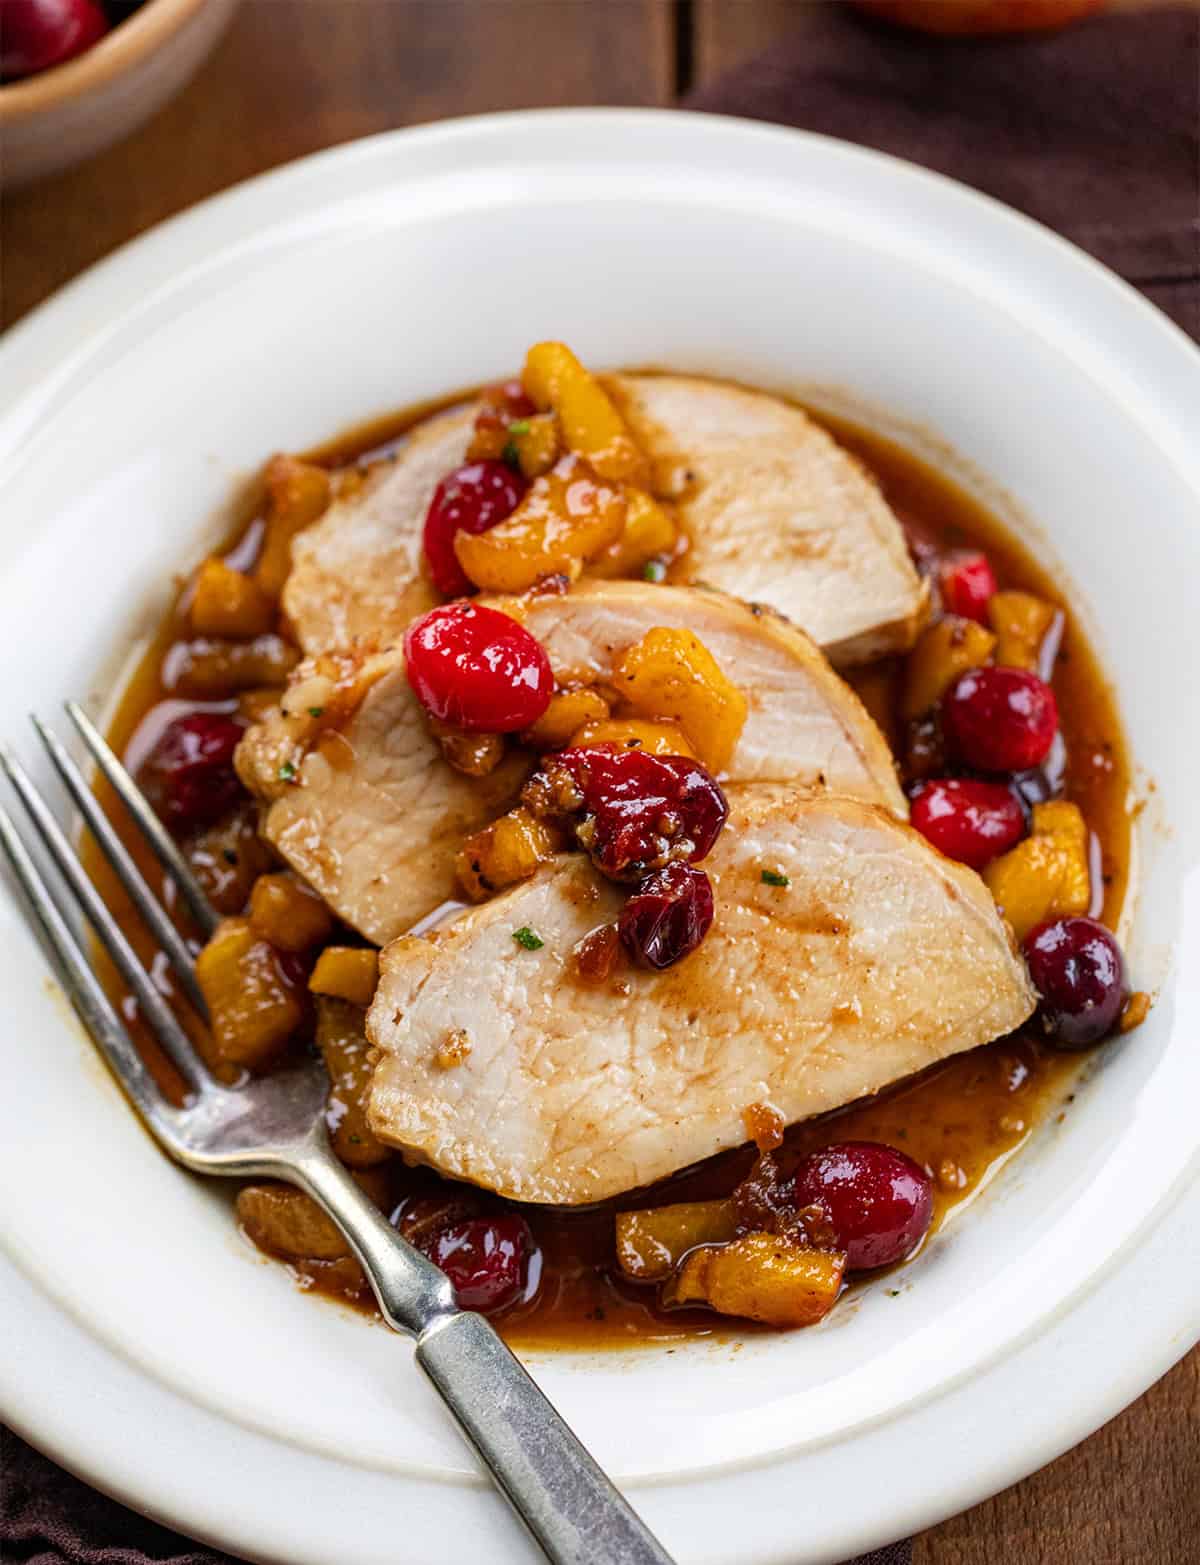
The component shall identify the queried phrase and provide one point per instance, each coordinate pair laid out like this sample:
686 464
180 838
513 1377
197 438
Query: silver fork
275 1126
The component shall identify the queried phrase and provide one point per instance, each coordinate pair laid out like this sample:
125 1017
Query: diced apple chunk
289 915
505 852
253 1008
346 973
651 532
1024 624
591 425
297 494
568 712
763 1278
652 1242
342 1040
944 651
671 675
567 516
1047 875
227 602
636 733
284 1221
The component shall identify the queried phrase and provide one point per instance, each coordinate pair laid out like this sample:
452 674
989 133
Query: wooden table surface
295 75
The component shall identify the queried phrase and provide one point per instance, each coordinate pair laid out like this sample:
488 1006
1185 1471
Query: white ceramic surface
167 1363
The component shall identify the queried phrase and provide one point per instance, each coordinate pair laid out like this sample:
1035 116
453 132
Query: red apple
36 34
964 18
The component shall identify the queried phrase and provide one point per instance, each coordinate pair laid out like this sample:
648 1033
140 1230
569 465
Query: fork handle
571 1507
558 1490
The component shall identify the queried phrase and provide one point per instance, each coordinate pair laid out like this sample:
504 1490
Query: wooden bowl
69 112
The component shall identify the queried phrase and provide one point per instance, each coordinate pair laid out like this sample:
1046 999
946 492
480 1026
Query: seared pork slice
777 512
356 573
878 957
804 725
374 816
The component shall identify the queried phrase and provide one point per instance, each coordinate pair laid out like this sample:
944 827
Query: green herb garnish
511 455
287 772
526 939
772 877
316 711
520 426
654 570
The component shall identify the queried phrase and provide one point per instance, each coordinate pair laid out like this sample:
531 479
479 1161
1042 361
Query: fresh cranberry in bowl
878 1201
968 584
667 916
471 499
188 776
1079 973
999 719
967 819
477 669
484 1257
634 812
36 34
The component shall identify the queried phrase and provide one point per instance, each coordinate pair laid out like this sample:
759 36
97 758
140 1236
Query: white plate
160 1358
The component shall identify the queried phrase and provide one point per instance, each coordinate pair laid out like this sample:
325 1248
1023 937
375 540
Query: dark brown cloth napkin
1094 131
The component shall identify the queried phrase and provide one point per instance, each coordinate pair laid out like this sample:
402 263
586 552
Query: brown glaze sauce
963 1118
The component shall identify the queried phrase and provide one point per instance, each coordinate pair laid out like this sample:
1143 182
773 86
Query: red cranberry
1000 719
471 499
188 776
879 1202
667 916
477 669
1078 971
968 583
967 820
484 1257
36 34
641 811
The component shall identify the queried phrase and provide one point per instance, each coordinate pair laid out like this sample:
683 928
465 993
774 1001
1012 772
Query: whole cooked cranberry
968 820
188 776
1000 719
1079 973
484 1257
667 916
36 34
471 499
642 811
968 584
878 1202
477 669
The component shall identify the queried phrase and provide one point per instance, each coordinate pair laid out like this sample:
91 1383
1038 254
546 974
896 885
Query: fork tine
147 904
88 997
156 835
154 1008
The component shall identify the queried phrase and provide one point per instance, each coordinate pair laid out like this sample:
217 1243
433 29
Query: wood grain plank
292 76
1128 1496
